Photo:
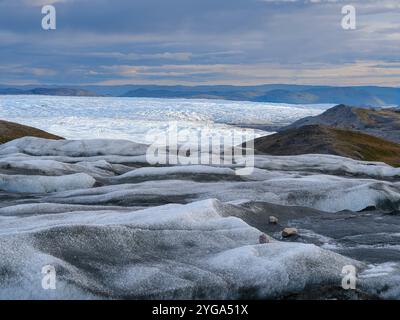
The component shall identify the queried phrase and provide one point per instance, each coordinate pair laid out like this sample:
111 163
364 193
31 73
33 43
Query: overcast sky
200 42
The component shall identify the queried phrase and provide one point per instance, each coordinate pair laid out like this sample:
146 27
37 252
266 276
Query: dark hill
383 123
318 139
10 131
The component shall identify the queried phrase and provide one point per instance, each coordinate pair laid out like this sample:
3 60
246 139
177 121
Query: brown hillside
10 131
317 139
382 123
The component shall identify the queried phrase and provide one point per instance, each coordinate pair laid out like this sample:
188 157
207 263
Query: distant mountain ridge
50 92
275 93
361 96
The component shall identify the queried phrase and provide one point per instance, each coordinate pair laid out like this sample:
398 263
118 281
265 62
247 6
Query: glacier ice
116 227
73 148
45 184
168 252
132 118
324 182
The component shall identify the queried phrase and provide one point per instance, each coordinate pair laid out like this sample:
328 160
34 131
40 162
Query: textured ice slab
28 164
328 164
323 182
52 208
325 193
72 148
175 171
167 252
382 280
45 184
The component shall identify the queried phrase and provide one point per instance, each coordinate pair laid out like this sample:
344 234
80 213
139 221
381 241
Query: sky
200 42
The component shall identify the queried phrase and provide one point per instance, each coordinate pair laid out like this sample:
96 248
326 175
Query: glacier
168 252
132 118
115 227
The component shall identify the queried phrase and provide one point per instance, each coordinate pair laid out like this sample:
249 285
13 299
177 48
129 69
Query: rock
289 232
11 131
273 220
263 239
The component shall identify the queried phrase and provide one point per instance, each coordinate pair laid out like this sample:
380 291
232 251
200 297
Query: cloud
44 2
180 56
198 41
357 73
19 69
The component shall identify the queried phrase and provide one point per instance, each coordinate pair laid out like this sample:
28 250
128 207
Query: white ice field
115 227
132 118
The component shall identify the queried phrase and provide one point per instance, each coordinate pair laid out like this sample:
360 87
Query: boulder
263 239
273 220
289 232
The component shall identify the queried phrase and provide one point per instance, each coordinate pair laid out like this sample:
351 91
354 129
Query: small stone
263 239
273 220
289 232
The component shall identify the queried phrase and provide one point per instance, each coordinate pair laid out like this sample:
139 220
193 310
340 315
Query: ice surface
73 148
278 267
323 182
328 164
382 280
325 193
132 118
85 214
173 251
53 168
174 170
52 208
45 184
